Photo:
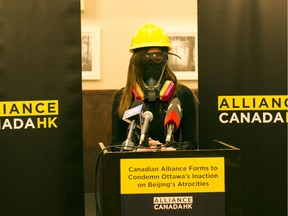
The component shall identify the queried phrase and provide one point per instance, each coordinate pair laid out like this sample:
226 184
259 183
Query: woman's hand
153 143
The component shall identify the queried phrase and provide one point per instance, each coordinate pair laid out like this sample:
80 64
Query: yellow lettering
41 122
51 122
28 108
253 102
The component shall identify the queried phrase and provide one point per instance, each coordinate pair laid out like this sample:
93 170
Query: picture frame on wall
185 46
90 51
82 5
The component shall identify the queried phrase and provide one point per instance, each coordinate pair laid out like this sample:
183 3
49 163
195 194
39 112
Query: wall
118 20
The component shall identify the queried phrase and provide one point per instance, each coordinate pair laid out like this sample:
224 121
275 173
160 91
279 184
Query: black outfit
185 133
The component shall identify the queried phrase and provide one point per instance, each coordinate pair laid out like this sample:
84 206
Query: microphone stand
128 143
169 135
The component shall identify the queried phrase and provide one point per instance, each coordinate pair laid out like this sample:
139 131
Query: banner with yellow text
243 94
40 108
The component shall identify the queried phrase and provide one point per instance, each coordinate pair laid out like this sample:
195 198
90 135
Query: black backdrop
243 51
40 59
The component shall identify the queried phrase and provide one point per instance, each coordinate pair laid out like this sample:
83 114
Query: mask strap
174 55
160 78
164 66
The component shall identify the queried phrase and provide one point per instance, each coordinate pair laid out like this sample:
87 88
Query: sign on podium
202 182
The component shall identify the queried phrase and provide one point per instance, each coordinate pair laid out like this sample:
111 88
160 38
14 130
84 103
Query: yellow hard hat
150 35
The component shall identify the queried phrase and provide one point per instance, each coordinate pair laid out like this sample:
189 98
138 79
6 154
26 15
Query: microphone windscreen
148 115
174 113
172 117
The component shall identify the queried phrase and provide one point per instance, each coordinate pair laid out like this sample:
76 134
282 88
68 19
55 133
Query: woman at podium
153 109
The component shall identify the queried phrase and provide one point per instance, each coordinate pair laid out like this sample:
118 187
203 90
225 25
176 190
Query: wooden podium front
201 182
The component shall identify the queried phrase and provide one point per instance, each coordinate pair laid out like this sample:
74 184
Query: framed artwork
90 49
185 46
82 5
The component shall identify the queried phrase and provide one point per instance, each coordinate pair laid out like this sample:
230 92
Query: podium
186 182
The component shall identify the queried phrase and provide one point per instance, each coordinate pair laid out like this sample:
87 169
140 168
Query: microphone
135 112
134 117
173 118
148 117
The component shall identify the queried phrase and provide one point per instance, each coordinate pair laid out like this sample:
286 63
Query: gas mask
154 65
153 68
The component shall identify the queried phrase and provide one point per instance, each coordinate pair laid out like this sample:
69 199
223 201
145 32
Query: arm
119 127
189 119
